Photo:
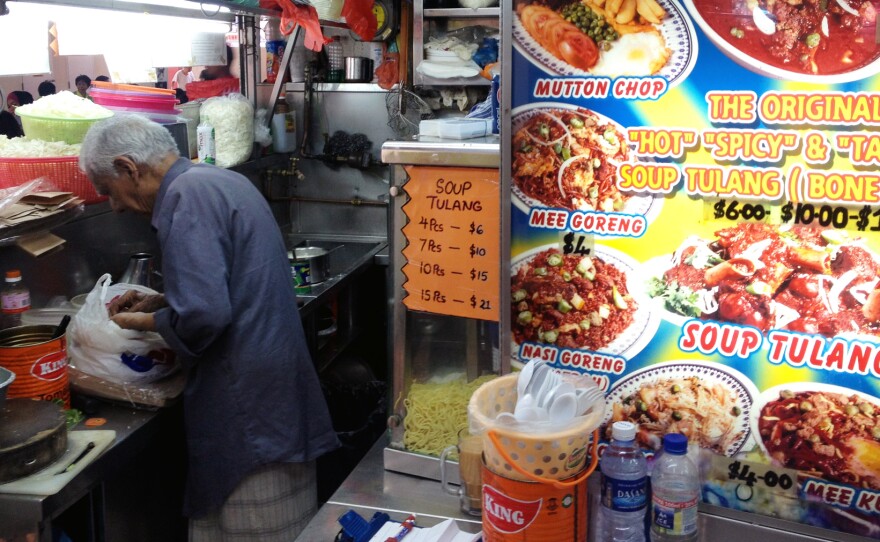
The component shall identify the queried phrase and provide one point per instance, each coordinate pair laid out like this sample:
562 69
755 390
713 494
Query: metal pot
311 265
358 69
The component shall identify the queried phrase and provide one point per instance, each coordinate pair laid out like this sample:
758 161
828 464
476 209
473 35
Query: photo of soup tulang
813 37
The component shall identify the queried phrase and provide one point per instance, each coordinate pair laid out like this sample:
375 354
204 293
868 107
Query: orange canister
519 511
38 361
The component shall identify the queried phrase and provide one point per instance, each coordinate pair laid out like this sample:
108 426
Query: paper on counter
39 243
446 531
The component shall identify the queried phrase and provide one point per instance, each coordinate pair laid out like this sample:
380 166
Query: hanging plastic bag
304 15
99 347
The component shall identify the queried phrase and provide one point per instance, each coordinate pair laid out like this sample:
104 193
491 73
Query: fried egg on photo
637 53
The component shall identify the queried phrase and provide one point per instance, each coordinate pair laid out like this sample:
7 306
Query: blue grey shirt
252 395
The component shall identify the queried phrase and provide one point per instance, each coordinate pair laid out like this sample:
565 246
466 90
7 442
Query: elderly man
255 417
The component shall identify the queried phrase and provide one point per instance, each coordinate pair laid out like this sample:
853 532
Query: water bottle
675 485
15 299
624 495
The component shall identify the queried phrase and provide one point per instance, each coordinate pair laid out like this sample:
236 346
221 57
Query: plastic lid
623 431
675 443
13 275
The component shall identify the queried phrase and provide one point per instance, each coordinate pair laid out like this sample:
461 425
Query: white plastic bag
232 117
99 347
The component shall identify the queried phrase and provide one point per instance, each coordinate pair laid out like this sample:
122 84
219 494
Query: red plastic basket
209 89
62 171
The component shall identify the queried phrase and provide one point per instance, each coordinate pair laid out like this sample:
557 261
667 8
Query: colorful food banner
695 201
452 253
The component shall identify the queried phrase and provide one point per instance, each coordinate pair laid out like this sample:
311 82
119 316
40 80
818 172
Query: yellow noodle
436 412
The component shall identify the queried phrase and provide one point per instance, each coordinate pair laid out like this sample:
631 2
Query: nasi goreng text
798 278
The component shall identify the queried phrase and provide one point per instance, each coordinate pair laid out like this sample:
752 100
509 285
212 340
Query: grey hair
134 136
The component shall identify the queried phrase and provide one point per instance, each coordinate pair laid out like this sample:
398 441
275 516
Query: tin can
518 511
301 272
38 361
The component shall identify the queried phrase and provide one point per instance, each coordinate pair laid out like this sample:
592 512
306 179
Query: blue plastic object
357 529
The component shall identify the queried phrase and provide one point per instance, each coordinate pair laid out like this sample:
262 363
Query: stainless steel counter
370 488
433 151
135 429
348 258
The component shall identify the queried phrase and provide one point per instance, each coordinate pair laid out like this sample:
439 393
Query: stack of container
157 104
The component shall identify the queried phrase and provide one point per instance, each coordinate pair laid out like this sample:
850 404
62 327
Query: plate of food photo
821 430
567 157
579 302
797 278
830 41
710 403
610 38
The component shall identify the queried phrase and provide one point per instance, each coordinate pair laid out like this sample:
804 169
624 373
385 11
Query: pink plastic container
149 102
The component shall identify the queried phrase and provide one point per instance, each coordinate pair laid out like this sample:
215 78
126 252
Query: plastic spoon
551 380
556 392
525 375
527 411
564 408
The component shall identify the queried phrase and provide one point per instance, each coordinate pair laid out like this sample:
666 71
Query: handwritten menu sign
453 241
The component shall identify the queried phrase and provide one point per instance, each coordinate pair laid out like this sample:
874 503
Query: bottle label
17 302
624 495
674 518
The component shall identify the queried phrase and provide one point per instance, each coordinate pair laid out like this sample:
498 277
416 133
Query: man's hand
134 301
141 321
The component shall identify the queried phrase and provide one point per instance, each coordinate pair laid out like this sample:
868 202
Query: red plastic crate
62 171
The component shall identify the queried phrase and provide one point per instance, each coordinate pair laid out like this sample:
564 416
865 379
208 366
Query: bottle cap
675 443
623 431
13 275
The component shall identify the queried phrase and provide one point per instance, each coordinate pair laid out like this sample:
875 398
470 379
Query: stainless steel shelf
463 13
432 151
335 87
477 81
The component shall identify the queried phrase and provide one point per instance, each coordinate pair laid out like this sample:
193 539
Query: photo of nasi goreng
707 412
600 37
568 158
798 278
569 300
835 436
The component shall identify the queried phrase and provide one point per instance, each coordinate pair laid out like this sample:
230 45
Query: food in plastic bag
99 347
232 117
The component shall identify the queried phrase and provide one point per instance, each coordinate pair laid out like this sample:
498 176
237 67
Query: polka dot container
548 452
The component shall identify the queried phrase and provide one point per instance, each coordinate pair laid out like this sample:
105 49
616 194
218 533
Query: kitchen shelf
335 87
427 22
463 13
238 8
477 81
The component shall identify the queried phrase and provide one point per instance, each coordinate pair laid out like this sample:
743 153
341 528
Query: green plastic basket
53 129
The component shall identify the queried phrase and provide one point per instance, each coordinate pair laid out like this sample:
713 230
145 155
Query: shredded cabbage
22 147
64 105
232 118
